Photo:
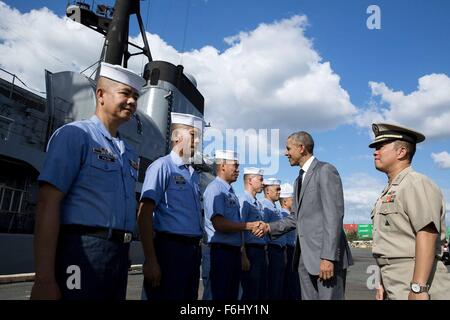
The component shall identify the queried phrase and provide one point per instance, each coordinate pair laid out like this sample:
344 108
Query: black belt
178 238
255 245
99 232
275 246
225 246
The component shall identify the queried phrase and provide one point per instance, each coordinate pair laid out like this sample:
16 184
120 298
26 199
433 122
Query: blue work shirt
272 213
97 178
291 236
251 210
174 187
219 199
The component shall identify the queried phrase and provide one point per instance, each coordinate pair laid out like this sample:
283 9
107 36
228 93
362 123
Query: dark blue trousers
91 268
277 264
206 266
225 272
180 270
254 281
291 278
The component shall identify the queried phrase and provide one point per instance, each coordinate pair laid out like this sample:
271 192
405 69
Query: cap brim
374 143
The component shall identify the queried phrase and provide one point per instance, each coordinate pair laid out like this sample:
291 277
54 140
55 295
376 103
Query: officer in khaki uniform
408 221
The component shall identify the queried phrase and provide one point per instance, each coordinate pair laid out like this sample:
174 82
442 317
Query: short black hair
410 148
304 138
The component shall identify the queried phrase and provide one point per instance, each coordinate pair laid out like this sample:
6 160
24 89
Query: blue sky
350 74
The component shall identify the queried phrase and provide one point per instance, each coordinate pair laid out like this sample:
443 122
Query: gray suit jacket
318 217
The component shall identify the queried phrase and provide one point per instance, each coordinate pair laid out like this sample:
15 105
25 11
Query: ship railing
14 77
13 83
11 199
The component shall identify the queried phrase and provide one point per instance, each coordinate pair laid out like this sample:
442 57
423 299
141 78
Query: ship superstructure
27 120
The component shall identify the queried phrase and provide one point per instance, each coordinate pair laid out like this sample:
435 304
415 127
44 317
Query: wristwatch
417 288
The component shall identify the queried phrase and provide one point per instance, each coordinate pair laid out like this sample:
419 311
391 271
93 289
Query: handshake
258 228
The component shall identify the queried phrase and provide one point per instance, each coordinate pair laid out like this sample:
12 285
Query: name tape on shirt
231 201
179 180
104 154
106 157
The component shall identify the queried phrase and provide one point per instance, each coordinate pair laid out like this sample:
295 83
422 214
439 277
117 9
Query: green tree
352 236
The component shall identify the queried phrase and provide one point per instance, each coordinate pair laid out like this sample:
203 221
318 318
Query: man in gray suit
322 254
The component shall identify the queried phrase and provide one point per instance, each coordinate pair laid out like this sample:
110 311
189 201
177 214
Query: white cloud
362 157
427 109
442 159
272 70
38 40
446 193
361 191
255 147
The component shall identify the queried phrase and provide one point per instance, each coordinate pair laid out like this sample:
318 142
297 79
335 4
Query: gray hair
303 138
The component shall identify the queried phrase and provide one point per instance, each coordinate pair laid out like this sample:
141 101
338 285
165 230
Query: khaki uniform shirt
408 204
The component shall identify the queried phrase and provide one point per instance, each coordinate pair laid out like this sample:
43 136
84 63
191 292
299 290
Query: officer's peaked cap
389 132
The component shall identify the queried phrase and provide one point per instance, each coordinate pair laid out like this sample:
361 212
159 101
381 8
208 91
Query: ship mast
115 28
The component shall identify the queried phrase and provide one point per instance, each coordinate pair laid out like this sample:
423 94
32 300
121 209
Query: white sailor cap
226 155
187 119
122 75
286 191
253 170
271 182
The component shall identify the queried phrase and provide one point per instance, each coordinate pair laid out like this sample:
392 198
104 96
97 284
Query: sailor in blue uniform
254 281
86 211
170 217
291 289
224 228
276 249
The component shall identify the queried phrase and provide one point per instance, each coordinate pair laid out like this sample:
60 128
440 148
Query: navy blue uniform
276 252
225 255
254 281
206 266
291 278
177 222
98 174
